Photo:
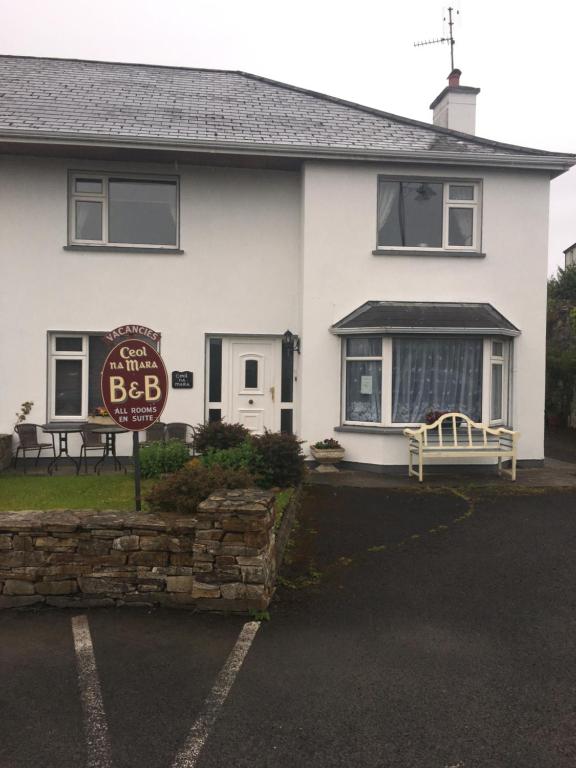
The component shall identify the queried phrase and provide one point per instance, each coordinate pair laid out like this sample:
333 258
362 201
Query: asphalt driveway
412 630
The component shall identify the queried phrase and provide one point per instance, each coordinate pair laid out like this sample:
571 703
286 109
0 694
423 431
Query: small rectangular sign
365 385
182 379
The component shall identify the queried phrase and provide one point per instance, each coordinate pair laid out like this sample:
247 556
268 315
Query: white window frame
503 361
386 386
102 197
72 355
447 203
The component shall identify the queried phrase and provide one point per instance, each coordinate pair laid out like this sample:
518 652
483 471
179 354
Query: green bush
244 456
280 459
184 490
160 458
219 435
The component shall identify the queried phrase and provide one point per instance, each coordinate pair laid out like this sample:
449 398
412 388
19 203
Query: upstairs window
123 211
428 214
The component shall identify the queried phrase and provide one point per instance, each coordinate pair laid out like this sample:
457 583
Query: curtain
364 390
436 375
388 195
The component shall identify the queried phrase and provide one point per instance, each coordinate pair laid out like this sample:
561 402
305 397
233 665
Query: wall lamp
291 341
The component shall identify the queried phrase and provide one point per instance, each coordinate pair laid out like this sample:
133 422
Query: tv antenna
449 39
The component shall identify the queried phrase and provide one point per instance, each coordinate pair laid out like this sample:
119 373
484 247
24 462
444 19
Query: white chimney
455 107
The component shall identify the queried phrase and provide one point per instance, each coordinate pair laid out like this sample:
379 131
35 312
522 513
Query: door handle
272 392
250 402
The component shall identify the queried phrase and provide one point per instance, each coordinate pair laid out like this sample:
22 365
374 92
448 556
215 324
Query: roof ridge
122 63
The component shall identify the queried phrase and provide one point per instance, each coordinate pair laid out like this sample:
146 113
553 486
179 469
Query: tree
561 347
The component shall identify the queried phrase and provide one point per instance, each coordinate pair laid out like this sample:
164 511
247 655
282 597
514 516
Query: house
319 266
570 256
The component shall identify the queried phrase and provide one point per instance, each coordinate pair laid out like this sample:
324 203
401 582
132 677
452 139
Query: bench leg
500 465
513 473
420 466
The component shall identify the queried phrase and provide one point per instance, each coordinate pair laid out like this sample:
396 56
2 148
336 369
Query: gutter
556 163
391 330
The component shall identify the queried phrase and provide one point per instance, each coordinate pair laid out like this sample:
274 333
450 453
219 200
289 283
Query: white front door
254 382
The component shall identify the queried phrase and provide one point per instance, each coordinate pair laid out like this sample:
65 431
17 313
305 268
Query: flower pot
327 458
101 421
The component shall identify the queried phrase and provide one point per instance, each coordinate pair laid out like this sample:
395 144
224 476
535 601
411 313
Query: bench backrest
459 430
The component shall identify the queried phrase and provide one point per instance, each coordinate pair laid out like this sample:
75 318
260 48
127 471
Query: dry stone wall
221 559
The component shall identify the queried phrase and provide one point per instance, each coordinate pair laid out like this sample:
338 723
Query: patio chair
28 435
155 433
186 433
91 441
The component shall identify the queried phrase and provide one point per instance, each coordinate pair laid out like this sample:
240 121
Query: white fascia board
557 163
391 330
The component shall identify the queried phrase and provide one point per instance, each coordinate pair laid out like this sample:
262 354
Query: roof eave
554 163
390 330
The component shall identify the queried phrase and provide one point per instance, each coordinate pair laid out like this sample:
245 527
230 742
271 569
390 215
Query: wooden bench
454 435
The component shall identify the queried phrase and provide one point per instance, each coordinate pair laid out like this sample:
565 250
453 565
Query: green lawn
68 492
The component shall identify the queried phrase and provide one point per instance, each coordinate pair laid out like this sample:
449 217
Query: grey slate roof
171 106
425 317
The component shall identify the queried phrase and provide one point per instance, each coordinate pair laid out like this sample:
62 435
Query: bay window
398 380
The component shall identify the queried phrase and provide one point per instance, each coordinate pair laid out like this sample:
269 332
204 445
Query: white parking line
98 750
190 752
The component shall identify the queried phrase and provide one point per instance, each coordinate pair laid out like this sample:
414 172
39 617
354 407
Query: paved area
428 629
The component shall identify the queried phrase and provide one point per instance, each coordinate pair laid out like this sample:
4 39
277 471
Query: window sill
424 252
121 249
370 430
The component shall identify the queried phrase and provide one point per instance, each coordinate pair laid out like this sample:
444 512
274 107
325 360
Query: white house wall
240 233
263 251
340 273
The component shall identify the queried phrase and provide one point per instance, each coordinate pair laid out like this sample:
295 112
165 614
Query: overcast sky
521 55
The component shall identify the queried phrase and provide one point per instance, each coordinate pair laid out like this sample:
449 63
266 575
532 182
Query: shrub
159 458
280 459
329 443
184 490
219 435
244 456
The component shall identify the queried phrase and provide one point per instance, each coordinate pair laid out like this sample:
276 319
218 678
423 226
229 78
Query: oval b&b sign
134 385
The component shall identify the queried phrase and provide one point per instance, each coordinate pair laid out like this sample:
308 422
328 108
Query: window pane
364 347
461 226
98 351
215 378
93 186
461 192
68 388
142 212
497 349
436 375
410 214
88 220
364 390
251 374
286 421
287 382
69 344
389 230
496 398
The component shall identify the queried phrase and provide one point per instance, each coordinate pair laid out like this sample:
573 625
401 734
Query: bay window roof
396 317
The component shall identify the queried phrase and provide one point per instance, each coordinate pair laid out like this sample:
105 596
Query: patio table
109 445
62 429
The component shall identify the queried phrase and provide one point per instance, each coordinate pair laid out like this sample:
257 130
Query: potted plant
327 453
100 416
